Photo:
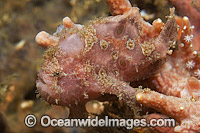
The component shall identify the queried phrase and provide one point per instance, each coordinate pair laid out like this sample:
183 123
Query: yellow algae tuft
130 44
147 48
89 35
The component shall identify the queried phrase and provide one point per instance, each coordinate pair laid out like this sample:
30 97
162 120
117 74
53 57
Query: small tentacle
67 22
45 40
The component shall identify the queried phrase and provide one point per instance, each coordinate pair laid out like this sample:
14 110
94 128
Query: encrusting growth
185 111
179 81
191 9
119 7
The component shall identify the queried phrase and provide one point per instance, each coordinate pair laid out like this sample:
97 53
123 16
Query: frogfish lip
44 84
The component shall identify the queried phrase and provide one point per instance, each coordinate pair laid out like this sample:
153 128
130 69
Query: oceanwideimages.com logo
47 121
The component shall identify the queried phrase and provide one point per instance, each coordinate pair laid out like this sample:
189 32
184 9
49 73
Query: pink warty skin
102 56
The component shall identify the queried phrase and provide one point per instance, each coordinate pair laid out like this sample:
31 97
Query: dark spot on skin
120 29
123 63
